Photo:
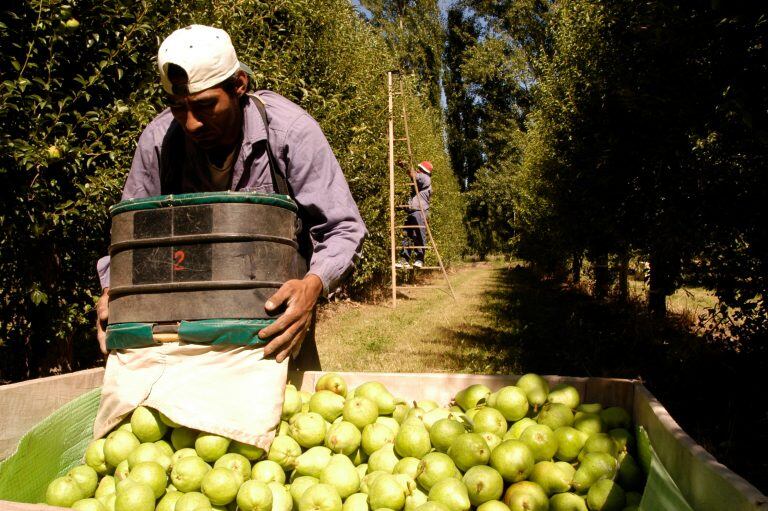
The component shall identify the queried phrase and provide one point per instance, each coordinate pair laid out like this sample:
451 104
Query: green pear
469 397
570 441
589 423
221 486
616 417
605 495
434 467
284 451
291 402
148 451
434 415
375 436
135 497
541 440
122 470
326 403
181 453
211 447
386 492
379 394
343 437
105 487
526 496
415 500
368 479
630 476
568 469
187 475
599 442
565 394
383 459
483 484
87 478
299 486
281 497
63 492
94 456
147 425
118 445
452 493
400 412
89 504
567 502
512 402
513 459
493 505
268 471
308 428
356 502
360 411
341 476
517 428
432 506
312 461
625 441
168 502
594 466
491 439
535 387
489 420
389 422
151 474
551 477
590 408
468 450
333 382
408 466
237 463
443 432
555 415
412 440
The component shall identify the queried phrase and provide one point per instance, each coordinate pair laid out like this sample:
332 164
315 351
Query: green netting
50 449
194 199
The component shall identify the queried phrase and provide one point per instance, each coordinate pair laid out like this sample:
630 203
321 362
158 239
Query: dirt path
428 333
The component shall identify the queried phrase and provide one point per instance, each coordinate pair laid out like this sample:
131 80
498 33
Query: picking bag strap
278 180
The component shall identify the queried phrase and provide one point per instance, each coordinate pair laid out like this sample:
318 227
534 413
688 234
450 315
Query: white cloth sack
232 391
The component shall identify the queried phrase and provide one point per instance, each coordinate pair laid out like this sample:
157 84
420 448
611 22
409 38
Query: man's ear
241 83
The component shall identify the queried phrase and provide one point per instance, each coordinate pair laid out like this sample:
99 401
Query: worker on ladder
418 209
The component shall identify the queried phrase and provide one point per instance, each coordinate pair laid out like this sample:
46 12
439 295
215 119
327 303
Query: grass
508 320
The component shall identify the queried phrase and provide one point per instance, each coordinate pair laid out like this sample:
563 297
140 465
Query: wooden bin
703 481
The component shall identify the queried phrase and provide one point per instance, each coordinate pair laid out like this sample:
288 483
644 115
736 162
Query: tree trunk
623 276
602 277
664 271
576 268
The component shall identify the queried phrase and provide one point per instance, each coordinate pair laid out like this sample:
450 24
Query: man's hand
102 315
299 297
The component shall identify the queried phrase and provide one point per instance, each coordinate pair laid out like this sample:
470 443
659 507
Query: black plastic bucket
201 256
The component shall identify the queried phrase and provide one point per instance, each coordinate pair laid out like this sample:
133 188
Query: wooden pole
391 136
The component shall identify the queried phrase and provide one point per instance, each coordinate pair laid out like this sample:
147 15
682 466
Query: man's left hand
299 298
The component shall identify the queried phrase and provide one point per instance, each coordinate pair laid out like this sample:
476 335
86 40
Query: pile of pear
524 447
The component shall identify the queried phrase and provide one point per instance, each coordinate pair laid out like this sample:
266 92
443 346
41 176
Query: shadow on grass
715 392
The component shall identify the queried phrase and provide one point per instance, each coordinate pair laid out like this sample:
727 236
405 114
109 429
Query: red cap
426 167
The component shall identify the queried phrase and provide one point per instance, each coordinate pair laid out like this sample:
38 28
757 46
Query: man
212 138
418 209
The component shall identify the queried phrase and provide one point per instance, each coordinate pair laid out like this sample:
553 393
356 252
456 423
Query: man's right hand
102 315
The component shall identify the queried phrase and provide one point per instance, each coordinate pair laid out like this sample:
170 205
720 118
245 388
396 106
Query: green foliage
80 83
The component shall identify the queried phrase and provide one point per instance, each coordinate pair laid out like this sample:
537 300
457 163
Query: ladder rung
427 268
399 139
420 287
409 226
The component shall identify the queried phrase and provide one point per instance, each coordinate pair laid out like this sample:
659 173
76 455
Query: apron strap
278 180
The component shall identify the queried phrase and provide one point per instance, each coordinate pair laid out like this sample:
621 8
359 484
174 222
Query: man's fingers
279 325
280 296
282 343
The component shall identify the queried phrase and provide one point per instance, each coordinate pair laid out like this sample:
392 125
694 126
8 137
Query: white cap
205 53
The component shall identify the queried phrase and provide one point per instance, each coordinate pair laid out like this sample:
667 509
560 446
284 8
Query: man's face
211 118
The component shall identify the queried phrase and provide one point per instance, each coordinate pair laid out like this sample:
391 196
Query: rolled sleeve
335 226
